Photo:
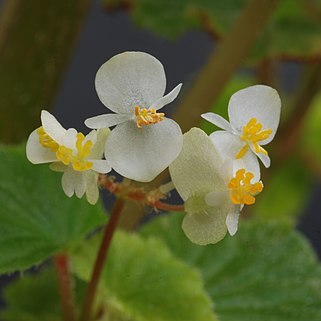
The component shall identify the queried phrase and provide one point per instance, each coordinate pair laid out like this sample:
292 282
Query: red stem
65 287
100 260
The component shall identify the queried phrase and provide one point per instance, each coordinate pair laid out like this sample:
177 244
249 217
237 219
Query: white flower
254 115
214 191
76 155
144 142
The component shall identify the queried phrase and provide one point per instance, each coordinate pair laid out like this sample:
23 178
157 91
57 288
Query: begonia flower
214 191
79 157
144 142
254 115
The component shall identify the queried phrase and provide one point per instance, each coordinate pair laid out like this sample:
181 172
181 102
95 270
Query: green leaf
142 281
36 218
293 31
285 193
265 272
43 304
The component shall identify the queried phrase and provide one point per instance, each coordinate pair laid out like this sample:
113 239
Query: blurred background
50 52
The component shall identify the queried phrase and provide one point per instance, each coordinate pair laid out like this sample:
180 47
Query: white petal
228 145
130 79
205 227
161 102
100 166
232 221
97 151
52 127
260 102
69 139
197 168
265 159
107 120
36 153
143 153
67 182
91 136
58 167
92 191
218 121
79 183
217 199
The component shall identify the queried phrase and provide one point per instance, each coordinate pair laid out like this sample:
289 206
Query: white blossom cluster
215 175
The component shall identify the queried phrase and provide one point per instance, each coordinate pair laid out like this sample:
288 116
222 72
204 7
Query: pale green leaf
143 281
36 218
265 272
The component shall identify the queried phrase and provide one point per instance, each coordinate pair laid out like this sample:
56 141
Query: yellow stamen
147 116
65 154
242 191
78 162
46 141
253 133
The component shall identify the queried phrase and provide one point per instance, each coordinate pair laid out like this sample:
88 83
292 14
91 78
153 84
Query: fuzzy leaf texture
36 218
143 281
294 30
265 272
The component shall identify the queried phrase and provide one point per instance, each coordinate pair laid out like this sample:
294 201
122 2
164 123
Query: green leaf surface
266 272
143 281
36 218
43 304
293 31
285 193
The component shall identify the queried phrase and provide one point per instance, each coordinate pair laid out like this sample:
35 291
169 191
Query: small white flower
254 115
144 142
214 191
79 157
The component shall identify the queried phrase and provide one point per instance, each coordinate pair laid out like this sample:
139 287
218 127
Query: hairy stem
65 287
100 260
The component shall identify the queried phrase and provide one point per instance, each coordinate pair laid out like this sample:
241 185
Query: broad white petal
100 166
129 79
80 183
197 168
67 182
260 102
36 153
228 145
52 127
97 151
143 153
161 102
218 121
58 167
217 199
205 227
92 191
232 221
107 120
69 139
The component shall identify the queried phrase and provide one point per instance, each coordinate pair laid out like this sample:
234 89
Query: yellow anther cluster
65 154
147 116
46 141
253 133
241 189
78 162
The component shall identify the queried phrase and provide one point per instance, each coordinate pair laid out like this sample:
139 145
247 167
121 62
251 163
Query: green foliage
311 132
36 40
285 193
142 281
36 218
293 31
265 272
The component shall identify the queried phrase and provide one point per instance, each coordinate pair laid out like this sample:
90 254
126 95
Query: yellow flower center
67 155
241 189
46 141
253 133
147 116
